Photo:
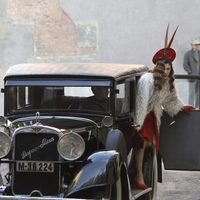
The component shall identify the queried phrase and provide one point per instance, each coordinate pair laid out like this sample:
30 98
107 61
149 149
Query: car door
180 136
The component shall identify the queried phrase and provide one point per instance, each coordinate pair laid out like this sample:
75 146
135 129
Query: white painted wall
132 31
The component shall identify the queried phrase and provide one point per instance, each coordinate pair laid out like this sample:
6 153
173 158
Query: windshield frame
57 82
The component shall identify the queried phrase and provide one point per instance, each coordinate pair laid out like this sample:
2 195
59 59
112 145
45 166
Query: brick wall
46 33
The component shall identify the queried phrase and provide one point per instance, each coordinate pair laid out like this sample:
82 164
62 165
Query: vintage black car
61 143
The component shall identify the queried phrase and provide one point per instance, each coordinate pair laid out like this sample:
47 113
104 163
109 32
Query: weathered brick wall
41 31
54 33
95 31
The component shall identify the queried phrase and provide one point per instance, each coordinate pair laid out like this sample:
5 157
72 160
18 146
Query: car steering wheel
91 105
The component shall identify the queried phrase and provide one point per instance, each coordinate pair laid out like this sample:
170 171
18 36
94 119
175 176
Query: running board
139 193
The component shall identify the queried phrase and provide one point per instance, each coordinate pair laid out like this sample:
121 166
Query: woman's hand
187 109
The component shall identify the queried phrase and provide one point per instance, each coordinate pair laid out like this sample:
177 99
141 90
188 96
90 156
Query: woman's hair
159 75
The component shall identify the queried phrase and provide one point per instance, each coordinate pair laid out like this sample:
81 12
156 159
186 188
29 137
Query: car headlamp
71 146
5 144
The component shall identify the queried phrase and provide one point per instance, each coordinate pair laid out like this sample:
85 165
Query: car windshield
79 98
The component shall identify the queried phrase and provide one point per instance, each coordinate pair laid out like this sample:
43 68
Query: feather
166 36
169 45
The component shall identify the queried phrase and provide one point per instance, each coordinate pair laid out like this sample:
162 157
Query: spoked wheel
150 171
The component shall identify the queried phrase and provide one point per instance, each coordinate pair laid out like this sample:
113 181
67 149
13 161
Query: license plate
34 166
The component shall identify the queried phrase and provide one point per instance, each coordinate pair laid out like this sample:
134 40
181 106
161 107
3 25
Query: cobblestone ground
179 185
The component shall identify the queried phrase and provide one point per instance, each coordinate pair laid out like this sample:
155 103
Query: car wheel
154 179
1 180
116 190
150 171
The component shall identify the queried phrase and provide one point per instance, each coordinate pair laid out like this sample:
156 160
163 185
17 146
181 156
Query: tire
150 172
120 189
1 180
116 190
154 178
115 141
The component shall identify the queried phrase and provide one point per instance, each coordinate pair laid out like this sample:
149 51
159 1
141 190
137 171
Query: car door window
188 91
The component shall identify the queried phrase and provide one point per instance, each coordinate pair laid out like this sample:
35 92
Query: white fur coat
148 99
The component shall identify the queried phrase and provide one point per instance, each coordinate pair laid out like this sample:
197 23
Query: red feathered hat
167 52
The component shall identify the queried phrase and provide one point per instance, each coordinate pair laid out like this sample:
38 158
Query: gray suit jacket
191 63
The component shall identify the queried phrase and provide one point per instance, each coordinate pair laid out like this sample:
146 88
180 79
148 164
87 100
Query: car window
122 99
80 98
188 91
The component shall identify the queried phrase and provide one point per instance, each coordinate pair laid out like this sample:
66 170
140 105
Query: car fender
102 168
115 141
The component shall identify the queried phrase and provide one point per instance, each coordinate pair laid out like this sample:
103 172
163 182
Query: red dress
149 128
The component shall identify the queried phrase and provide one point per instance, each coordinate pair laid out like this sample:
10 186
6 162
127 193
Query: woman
155 92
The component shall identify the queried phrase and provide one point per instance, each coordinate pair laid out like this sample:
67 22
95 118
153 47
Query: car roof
116 71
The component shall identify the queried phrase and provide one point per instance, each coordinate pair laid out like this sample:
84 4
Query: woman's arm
172 104
144 91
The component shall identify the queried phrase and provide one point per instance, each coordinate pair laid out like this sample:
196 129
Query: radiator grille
36 147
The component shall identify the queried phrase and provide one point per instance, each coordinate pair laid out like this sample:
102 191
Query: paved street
179 185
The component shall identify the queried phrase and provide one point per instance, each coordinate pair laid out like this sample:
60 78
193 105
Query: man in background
100 100
191 65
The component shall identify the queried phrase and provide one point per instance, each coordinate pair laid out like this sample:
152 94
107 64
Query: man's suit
191 65
191 62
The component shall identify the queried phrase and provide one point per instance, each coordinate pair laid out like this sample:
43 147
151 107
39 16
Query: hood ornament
37 118
36 126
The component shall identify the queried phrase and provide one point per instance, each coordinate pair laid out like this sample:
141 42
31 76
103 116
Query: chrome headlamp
5 144
71 146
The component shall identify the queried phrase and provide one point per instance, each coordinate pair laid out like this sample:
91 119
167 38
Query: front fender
101 169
